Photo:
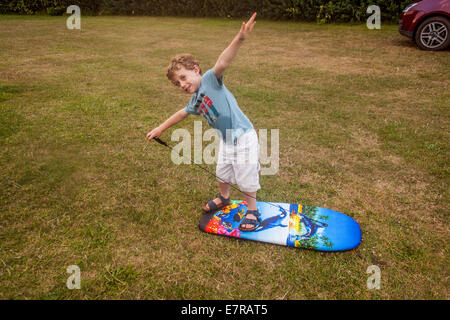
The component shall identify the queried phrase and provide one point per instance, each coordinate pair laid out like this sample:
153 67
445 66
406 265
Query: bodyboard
293 225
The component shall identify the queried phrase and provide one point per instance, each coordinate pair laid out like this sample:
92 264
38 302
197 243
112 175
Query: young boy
211 99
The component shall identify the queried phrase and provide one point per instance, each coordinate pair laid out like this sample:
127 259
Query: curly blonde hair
186 60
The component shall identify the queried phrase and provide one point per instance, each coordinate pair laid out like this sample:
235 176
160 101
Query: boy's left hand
246 28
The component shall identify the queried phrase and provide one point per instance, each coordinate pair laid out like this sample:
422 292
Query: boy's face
187 80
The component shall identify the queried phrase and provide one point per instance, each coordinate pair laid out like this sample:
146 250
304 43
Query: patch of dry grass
363 118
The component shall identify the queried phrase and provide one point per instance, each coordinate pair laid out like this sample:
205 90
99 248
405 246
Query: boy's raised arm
228 54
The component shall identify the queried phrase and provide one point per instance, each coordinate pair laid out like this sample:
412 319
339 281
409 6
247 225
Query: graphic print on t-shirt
206 107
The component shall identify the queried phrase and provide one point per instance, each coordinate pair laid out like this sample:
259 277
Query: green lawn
364 124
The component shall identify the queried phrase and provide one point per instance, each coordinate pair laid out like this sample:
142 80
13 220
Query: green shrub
56 11
322 11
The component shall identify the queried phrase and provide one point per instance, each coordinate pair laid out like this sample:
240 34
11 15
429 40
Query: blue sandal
254 222
213 206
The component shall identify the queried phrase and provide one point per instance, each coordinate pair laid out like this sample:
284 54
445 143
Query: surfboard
293 225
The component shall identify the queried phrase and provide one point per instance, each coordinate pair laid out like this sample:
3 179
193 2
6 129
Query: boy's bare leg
224 190
250 198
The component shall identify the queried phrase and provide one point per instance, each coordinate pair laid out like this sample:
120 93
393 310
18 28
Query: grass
364 129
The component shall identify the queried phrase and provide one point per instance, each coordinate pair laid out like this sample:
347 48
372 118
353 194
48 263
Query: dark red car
427 22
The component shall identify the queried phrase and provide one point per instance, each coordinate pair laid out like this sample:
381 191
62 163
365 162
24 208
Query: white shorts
239 163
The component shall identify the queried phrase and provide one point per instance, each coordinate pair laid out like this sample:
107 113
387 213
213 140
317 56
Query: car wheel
433 34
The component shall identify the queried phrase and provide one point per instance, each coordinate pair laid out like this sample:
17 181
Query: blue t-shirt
219 107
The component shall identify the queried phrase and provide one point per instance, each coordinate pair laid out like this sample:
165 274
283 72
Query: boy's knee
249 187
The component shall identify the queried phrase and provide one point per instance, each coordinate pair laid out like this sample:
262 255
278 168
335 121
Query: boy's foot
216 204
251 221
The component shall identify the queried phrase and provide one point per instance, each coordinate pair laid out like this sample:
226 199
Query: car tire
433 34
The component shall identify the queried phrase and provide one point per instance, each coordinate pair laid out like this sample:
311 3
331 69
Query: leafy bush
322 11
56 11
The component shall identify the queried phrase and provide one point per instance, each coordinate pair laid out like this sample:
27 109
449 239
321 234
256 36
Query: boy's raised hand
246 28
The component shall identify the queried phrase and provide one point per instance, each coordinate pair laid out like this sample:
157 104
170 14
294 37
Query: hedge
298 10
